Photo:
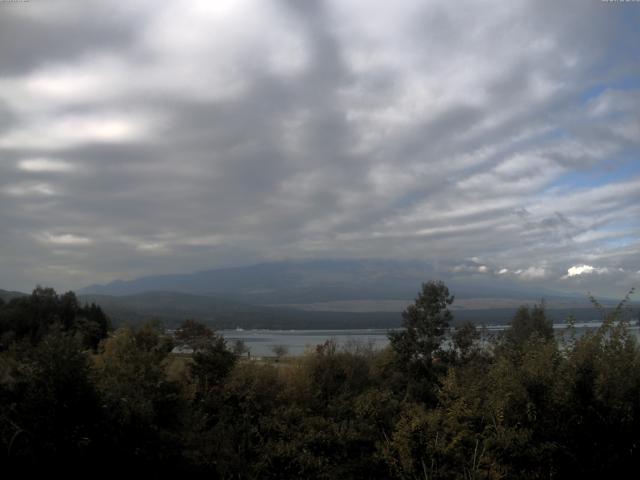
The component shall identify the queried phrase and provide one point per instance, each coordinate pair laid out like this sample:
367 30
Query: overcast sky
500 138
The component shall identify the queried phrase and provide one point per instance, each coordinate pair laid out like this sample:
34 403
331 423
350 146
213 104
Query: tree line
437 403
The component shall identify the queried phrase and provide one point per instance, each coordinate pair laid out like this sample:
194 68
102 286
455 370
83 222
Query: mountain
173 307
7 295
306 282
316 294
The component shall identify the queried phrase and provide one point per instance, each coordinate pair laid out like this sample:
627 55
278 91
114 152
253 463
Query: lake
261 342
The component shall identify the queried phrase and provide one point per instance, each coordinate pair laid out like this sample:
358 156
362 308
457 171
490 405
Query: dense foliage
437 404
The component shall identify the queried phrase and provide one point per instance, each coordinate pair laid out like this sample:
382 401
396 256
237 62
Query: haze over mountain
323 294
294 281
319 294
329 281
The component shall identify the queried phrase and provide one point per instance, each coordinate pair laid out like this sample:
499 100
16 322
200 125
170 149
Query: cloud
66 131
470 267
66 239
532 273
28 189
202 134
37 165
579 270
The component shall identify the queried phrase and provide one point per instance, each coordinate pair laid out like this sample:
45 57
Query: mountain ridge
312 281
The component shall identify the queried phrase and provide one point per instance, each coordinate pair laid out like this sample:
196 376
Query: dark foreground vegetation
436 404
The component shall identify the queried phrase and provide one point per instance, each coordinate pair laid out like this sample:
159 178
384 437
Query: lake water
262 342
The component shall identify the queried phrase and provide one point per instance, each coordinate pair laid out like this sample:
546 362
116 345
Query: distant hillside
8 295
221 312
317 294
171 308
303 282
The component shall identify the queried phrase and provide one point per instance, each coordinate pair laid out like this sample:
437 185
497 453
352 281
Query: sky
500 140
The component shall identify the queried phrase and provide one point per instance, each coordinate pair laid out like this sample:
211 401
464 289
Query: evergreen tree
418 344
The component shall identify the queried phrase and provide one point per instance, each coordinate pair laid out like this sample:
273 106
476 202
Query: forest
438 403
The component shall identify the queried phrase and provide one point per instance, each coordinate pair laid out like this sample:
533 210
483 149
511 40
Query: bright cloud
66 239
579 270
532 273
38 165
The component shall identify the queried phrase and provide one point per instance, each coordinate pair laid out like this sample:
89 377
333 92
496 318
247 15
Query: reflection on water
261 342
